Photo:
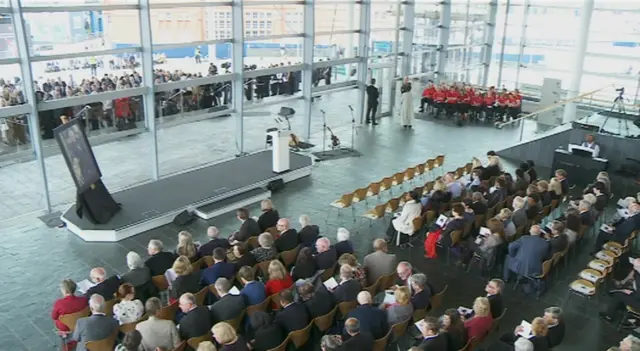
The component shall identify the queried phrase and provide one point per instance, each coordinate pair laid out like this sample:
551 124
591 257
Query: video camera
621 91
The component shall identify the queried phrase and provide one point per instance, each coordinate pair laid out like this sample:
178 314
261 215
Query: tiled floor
34 259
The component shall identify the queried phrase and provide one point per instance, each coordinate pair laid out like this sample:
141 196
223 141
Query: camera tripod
618 103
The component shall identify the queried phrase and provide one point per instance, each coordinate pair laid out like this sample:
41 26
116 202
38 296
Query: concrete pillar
489 37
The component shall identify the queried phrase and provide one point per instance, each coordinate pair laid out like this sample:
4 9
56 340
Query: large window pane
337 17
190 24
382 43
54 33
8 46
63 3
336 46
384 15
272 20
273 52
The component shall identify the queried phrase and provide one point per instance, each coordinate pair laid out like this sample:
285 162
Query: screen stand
96 204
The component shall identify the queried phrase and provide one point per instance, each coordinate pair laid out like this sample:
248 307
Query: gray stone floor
34 258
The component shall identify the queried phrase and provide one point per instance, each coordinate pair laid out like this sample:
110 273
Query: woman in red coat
68 304
478 326
279 279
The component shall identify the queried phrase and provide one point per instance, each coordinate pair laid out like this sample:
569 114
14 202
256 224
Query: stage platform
206 191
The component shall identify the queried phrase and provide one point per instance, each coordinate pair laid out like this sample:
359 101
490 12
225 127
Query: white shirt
593 146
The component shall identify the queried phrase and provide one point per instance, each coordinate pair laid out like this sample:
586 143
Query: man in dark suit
293 315
584 207
309 233
243 256
478 205
629 295
494 295
214 242
555 333
372 319
228 306
498 194
348 288
557 239
599 190
526 254
431 338
421 292
197 319
372 103
98 326
358 340
561 175
288 239
220 268
106 287
248 228
622 231
160 260
253 291
326 256
318 302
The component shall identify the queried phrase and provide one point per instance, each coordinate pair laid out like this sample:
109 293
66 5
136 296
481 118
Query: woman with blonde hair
226 337
439 195
504 216
402 309
279 279
206 346
539 329
186 247
478 326
186 280
555 189
494 167
543 191
269 217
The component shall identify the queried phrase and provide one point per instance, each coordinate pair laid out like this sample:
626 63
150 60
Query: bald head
213 232
98 275
283 225
364 298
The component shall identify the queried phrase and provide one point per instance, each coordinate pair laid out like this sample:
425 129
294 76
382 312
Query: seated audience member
533 189
330 343
443 235
519 215
533 206
214 242
348 288
243 257
372 319
432 339
279 279
584 209
358 340
478 326
157 332
498 193
160 260
308 233
494 295
379 263
627 296
227 338
561 176
543 191
128 310
98 326
523 344
478 205
539 331
421 291
526 254
288 239
197 319
524 167
630 343
591 199
219 269
603 177
533 175
505 217
68 304
475 179
206 346
558 240
266 251
293 315
130 342
555 189
343 244
509 184
572 225
318 302
404 272
469 215
402 309
248 228
601 198
253 291
485 247
327 256
228 306
493 168
404 222
521 182
359 273
187 281
266 334
107 287
305 266
452 328
622 231
555 325
269 217
453 186
438 197
138 275
186 247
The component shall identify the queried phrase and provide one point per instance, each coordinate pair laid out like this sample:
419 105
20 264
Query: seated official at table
590 142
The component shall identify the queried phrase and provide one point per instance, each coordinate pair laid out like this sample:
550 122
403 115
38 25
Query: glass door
383 74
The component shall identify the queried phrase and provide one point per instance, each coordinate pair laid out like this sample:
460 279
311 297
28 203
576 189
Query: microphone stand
324 133
353 128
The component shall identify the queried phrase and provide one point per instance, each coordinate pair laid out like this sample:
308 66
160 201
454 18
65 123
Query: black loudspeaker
183 218
286 111
275 185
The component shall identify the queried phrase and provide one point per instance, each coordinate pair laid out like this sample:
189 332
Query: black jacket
207 249
479 207
456 224
555 335
422 299
287 240
228 307
456 338
268 219
308 235
496 305
601 202
360 341
160 262
248 259
343 247
558 243
195 323
372 320
107 288
439 342
184 284
293 317
268 337
320 304
248 229
372 94
347 291
326 259
304 270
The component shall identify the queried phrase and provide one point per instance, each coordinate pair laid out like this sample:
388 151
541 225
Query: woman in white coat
403 223
406 104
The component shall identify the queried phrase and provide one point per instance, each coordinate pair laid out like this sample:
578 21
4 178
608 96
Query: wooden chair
168 312
439 163
429 217
235 323
398 178
106 344
328 273
479 221
491 212
195 266
201 295
275 233
374 189
419 314
386 281
289 257
456 236
300 337
160 282
392 205
346 306
264 268
343 202
436 300
399 329
70 319
495 324
430 165
208 260
262 306
125 328
108 306
181 346
387 184
428 186
194 342
381 344
360 195
409 174
275 300
373 289
468 168
283 346
325 322
375 213
419 169
253 242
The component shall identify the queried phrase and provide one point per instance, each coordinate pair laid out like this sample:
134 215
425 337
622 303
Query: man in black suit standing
372 319
372 102
228 306
197 319
348 288
106 287
293 315
288 237
431 338
357 340
214 242
160 260
248 228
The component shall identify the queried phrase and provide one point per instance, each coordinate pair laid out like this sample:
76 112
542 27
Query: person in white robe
406 104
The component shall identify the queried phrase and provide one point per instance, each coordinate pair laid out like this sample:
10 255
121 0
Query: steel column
307 61
407 37
503 43
237 69
443 42
523 40
363 52
489 37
